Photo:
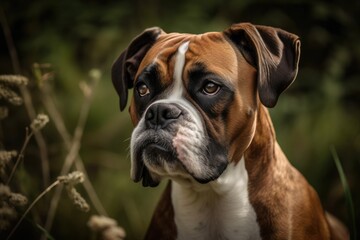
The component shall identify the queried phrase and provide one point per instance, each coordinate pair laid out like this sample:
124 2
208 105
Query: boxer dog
199 111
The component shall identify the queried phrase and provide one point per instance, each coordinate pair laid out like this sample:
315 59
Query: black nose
160 115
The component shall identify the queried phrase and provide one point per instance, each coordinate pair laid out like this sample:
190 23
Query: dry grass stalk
37 124
5 157
64 133
10 96
14 80
106 228
16 199
8 202
25 93
74 149
69 180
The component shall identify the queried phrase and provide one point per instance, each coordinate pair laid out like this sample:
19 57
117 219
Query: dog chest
217 210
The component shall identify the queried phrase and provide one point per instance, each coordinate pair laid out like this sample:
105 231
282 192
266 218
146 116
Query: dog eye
211 88
143 90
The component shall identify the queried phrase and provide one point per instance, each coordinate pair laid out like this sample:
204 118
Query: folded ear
275 54
125 67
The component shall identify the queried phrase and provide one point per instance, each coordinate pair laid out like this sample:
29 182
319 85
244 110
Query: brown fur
285 204
162 224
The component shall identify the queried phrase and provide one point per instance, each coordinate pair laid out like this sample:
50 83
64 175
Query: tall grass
11 203
345 185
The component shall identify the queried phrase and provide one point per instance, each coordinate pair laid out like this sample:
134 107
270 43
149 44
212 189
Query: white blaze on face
178 87
189 140
177 90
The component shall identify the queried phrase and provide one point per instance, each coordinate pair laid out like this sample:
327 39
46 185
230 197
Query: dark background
319 111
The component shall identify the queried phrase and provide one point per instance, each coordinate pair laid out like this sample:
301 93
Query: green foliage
320 109
348 196
47 235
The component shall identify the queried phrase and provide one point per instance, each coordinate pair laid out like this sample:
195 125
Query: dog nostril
149 115
161 115
171 113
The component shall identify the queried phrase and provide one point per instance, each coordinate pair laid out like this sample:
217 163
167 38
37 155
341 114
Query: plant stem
31 206
60 126
72 155
21 154
346 188
27 98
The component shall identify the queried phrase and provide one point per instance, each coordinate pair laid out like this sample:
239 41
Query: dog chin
159 161
176 156
156 162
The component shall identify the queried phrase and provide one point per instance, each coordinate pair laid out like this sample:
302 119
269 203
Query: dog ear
275 54
125 67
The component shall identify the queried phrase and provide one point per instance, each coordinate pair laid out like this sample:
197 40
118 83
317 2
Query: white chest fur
216 210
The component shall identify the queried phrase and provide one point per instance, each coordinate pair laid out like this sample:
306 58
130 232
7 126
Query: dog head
195 97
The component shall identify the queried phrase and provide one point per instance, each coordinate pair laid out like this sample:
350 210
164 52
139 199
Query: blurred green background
321 109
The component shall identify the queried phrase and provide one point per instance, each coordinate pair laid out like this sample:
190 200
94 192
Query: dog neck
216 210
263 153
222 209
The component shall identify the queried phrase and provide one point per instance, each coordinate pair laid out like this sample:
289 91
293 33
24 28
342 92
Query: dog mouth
157 147
156 153
152 151
175 154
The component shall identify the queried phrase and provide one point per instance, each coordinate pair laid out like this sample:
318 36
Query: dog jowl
199 111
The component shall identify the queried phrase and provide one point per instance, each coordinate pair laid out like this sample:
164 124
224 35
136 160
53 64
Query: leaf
346 188
46 233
